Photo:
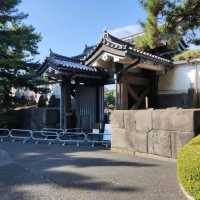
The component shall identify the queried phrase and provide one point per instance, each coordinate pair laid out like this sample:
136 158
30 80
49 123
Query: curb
155 157
185 193
142 155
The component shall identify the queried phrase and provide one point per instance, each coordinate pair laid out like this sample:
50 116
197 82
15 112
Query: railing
51 135
98 138
4 133
72 138
20 134
47 136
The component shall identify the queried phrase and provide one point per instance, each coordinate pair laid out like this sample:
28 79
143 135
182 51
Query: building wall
180 79
175 85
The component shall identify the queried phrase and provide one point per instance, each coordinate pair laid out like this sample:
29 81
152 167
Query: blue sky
67 25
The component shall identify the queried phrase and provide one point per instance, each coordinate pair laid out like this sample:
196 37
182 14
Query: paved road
42 172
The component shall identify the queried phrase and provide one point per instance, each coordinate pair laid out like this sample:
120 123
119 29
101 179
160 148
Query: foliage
169 21
187 55
110 98
42 101
18 46
152 32
188 167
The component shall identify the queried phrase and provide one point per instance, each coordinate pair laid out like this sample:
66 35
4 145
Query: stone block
38 118
179 139
144 120
141 141
161 119
117 119
122 138
181 120
129 119
159 143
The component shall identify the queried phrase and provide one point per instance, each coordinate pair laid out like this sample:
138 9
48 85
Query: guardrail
41 136
51 135
20 134
4 133
57 130
72 137
96 138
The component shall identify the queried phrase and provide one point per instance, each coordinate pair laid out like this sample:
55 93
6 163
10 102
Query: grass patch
188 167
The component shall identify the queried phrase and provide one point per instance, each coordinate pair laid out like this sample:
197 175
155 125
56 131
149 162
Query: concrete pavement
41 172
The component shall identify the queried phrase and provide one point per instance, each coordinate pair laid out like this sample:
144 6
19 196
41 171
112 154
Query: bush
188 167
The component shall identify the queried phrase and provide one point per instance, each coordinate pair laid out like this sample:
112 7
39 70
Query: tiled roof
69 64
63 63
119 44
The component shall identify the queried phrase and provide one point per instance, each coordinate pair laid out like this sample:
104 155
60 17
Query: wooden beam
132 93
134 80
153 67
141 98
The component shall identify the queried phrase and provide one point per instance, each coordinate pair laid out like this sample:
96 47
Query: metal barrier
21 134
57 130
71 137
48 136
74 130
4 133
98 138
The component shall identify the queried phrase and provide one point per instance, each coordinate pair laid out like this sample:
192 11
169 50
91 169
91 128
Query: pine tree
182 20
18 46
170 20
152 32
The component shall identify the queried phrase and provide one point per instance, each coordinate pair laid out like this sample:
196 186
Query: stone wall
37 118
157 132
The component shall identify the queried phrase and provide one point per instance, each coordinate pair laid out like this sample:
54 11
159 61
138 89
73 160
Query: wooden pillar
101 108
117 96
61 105
65 104
123 96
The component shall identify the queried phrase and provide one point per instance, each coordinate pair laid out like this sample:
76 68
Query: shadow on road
56 166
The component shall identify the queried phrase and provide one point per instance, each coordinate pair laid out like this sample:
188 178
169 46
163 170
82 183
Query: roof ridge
64 58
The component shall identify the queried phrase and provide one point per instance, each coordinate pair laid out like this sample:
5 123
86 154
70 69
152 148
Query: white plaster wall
180 78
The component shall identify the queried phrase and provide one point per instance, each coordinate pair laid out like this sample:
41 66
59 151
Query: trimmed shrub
188 167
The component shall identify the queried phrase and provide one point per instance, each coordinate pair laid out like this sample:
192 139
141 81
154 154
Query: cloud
126 31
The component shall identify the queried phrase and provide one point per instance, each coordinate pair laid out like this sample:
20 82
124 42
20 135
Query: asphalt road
42 172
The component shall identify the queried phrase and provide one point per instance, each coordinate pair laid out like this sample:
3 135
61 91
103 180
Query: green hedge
188 167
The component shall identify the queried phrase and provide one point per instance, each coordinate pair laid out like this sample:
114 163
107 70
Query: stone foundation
35 118
157 132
